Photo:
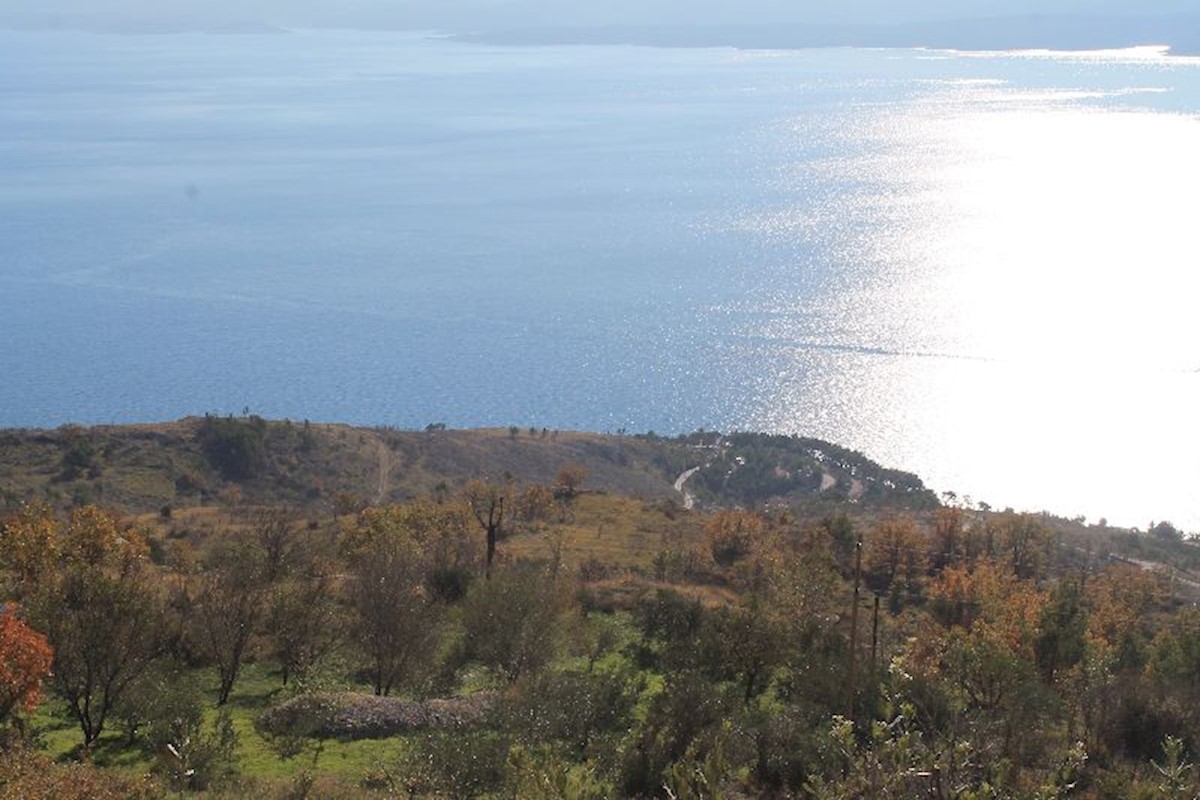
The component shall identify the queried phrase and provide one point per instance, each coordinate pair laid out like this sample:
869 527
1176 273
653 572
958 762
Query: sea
981 267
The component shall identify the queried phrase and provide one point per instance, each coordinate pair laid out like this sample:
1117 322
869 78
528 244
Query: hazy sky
515 13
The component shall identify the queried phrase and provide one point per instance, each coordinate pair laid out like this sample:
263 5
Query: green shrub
455 765
584 711
512 621
235 447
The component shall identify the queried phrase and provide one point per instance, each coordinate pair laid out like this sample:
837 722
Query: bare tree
277 535
487 503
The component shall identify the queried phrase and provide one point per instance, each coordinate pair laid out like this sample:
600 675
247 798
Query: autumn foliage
25 660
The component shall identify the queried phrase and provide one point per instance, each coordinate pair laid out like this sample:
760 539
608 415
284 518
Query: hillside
211 460
636 638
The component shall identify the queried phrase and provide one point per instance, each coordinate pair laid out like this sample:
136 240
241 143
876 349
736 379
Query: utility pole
852 688
874 636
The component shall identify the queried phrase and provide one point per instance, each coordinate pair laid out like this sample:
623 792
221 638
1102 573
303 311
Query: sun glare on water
1022 328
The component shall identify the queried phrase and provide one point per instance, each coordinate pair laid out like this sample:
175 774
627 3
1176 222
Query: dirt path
689 500
385 469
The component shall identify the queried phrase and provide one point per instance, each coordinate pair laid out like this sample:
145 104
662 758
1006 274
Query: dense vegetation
603 646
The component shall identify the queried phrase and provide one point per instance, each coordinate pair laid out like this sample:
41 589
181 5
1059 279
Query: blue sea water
978 267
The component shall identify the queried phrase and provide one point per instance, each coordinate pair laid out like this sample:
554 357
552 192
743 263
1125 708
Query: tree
1166 532
684 721
1061 638
99 609
746 642
29 542
229 603
486 501
397 619
987 651
302 620
1023 541
105 628
569 479
949 536
895 549
733 535
440 533
236 447
534 505
80 453
512 621
278 538
25 661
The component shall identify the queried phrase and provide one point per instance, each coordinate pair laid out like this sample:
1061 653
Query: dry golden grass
619 532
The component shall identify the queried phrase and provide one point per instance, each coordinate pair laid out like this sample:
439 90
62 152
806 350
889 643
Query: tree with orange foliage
987 648
733 535
25 661
1121 603
534 505
896 548
569 479
93 597
92 536
1023 541
35 545
28 545
949 537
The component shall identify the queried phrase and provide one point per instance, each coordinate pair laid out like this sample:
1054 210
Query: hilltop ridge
205 460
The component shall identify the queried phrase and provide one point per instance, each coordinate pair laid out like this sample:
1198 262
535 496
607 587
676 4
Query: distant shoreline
1180 35
1052 33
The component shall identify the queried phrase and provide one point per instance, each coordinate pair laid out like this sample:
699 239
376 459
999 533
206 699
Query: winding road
689 500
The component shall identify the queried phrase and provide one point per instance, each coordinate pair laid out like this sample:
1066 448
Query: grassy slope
257 688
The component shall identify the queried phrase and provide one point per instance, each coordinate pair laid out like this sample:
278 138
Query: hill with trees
222 460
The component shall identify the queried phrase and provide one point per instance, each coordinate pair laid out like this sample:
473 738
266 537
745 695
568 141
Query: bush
80 455
786 747
577 708
164 706
685 722
235 447
458 766
26 775
733 535
206 759
449 583
512 621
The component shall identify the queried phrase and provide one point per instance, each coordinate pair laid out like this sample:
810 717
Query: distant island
1029 31
1047 32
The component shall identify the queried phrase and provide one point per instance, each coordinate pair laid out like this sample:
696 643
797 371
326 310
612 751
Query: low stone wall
349 715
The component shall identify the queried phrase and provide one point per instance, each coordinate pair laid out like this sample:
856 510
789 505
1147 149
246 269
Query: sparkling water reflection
1022 324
